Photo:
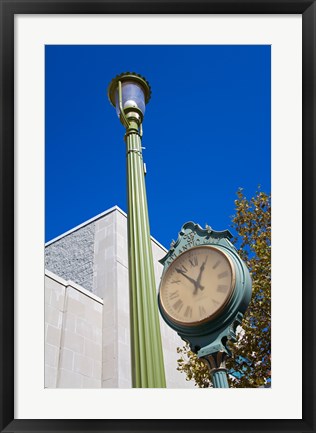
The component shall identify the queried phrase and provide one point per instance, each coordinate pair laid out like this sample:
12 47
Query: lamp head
136 93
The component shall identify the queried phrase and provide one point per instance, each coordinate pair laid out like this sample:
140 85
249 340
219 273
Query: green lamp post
129 93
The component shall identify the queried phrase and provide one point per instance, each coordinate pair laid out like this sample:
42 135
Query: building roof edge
85 223
93 219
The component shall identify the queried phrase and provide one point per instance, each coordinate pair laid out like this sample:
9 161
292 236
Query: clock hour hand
196 284
186 276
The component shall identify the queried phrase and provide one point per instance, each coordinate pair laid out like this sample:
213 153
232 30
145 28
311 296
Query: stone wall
72 256
111 293
73 330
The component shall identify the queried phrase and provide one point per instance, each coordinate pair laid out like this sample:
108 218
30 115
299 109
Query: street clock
197 285
205 289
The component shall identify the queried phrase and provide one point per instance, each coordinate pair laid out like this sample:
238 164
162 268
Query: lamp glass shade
132 96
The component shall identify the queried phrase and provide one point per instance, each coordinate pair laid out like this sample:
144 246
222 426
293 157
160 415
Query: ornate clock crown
193 235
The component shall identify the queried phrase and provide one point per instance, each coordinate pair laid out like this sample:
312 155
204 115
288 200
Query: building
87 331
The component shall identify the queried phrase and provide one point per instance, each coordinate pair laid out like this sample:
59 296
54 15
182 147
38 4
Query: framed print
54 56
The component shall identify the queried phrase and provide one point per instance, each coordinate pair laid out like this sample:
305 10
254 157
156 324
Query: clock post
216 365
129 93
204 292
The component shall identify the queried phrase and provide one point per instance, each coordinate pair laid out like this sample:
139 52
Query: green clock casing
205 287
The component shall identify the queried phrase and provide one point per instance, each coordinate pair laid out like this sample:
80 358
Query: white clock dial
197 285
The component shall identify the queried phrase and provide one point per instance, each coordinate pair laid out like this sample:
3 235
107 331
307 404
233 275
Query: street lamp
129 93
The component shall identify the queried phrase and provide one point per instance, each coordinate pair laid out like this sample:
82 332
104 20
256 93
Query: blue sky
207 132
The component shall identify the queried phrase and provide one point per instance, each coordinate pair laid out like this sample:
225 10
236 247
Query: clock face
197 285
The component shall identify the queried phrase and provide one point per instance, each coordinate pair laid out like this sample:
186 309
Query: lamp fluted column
146 347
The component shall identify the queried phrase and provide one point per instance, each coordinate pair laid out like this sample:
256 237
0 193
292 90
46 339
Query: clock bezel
218 312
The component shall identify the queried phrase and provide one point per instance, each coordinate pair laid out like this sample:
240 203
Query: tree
249 366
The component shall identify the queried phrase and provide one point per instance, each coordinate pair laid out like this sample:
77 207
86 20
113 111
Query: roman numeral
188 312
216 264
222 288
175 282
193 262
181 270
215 302
202 311
174 295
178 305
223 275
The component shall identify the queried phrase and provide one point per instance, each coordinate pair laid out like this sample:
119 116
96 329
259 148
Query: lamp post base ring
216 370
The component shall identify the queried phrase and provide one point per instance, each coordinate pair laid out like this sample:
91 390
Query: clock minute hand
201 271
198 281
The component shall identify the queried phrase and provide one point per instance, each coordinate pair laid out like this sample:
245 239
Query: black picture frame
8 9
